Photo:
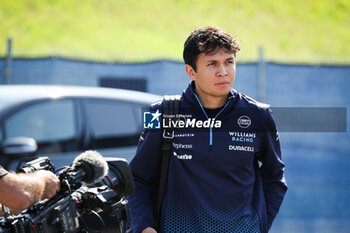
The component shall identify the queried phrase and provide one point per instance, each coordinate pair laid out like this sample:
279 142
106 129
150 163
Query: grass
136 30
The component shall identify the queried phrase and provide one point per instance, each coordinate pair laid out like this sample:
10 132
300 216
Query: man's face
215 74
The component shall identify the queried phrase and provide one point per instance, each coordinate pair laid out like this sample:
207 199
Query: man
20 191
214 181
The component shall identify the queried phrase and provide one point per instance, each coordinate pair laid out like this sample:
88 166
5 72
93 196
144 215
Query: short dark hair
207 40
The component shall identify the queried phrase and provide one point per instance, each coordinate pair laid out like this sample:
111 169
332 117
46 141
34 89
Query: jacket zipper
210 128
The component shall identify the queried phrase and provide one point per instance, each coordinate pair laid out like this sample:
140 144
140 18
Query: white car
67 120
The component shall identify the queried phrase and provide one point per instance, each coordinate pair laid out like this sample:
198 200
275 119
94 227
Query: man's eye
211 64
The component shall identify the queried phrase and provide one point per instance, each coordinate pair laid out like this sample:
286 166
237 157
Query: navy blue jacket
215 183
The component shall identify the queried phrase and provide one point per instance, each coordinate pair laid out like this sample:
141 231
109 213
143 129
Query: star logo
156 115
151 120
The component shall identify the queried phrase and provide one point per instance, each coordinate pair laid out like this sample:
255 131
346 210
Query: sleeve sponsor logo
141 136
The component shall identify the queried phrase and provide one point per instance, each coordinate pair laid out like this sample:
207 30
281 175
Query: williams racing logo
153 120
245 139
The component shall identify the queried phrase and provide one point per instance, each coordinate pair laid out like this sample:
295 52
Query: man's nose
221 70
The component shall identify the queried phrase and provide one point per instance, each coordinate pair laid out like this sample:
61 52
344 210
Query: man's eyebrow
212 60
227 59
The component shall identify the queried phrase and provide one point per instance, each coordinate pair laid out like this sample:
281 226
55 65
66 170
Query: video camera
90 186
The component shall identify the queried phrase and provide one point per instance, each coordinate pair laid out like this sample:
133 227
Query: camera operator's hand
51 183
20 191
149 230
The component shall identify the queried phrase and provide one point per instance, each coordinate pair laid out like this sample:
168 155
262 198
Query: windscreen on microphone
93 164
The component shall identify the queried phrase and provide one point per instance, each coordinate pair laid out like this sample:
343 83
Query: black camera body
77 207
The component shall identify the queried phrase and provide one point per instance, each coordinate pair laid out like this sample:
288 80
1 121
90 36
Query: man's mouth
222 84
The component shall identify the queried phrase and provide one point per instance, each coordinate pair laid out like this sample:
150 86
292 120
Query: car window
112 123
51 124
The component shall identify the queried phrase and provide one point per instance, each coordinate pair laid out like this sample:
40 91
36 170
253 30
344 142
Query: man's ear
190 72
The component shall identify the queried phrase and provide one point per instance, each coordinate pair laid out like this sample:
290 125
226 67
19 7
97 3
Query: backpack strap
171 107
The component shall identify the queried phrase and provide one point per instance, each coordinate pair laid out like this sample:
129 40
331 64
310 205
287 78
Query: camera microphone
89 167
109 181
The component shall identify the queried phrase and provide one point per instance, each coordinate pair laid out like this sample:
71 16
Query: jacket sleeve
145 168
272 169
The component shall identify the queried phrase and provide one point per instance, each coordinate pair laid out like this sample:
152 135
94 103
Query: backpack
171 105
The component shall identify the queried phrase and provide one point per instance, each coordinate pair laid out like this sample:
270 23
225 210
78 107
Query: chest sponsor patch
241 148
244 122
184 156
182 146
184 135
242 137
